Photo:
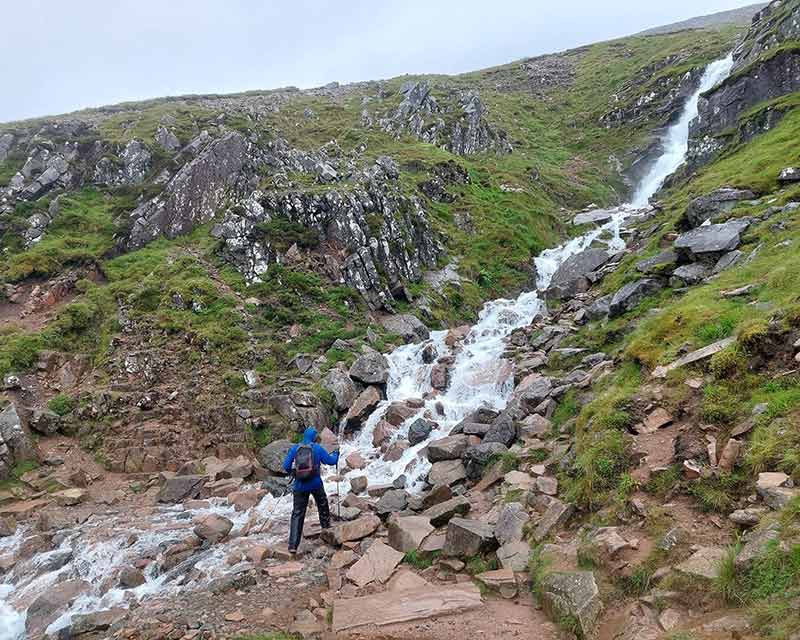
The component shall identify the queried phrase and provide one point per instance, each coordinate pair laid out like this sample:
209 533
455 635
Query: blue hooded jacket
320 457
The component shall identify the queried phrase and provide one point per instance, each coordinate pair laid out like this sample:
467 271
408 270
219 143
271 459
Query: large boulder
351 531
392 501
419 431
376 565
574 595
478 456
447 473
502 430
514 555
711 241
180 488
631 295
84 623
714 204
440 514
370 368
570 278
363 407
272 456
213 528
447 448
757 545
407 327
342 387
406 533
467 538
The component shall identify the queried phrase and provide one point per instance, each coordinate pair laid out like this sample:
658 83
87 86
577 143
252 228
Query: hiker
303 462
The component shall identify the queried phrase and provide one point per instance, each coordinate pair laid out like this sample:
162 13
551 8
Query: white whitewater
481 377
676 141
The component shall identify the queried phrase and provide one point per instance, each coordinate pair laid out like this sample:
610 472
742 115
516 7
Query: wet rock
51 602
478 456
363 407
440 514
713 205
213 528
382 433
406 533
396 450
370 368
420 430
96 621
447 473
631 295
447 448
358 484
511 522
570 278
272 456
408 327
130 577
276 487
575 595
398 412
180 488
467 538
8 527
440 376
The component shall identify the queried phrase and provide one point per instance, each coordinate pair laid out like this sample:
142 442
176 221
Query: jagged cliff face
766 68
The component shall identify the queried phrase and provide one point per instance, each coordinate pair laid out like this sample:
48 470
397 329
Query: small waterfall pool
102 545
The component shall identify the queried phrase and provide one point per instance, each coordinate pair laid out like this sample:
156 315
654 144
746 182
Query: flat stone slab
391 607
376 565
704 563
694 356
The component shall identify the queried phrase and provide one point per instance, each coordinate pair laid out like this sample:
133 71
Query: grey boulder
631 295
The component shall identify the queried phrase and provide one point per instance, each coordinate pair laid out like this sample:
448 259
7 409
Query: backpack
304 467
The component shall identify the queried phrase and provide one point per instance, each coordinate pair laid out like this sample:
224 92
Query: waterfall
480 377
676 139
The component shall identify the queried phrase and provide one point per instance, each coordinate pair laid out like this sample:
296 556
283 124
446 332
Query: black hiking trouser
299 514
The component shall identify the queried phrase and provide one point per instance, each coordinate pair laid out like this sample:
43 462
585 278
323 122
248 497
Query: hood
310 435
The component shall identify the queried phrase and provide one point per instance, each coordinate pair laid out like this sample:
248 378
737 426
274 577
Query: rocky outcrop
766 66
374 238
15 444
130 168
462 129
713 205
195 194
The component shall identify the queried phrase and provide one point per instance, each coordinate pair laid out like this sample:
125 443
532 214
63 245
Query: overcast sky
62 55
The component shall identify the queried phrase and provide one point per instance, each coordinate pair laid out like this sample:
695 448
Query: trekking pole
338 487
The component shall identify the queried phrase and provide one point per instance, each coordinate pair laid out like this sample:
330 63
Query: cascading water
97 549
676 141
